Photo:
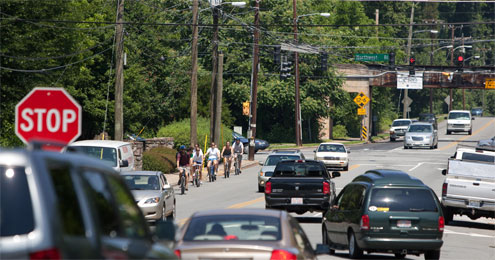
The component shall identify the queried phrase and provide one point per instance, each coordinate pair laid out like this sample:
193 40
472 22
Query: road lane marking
414 168
467 234
246 203
467 136
352 167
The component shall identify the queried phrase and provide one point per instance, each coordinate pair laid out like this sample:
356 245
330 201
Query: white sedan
333 155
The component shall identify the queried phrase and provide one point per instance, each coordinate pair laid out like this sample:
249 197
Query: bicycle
237 162
196 180
182 181
228 162
211 173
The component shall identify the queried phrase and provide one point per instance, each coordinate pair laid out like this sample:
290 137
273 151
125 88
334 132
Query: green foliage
160 159
339 132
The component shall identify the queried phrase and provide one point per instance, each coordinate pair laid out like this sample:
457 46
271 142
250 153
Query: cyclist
213 156
238 149
227 157
196 161
183 160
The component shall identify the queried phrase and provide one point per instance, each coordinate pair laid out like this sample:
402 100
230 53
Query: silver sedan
153 194
421 134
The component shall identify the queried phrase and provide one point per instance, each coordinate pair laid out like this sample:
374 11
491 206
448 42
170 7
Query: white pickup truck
469 186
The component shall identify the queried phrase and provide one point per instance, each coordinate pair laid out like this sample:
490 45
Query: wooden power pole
194 77
254 92
119 74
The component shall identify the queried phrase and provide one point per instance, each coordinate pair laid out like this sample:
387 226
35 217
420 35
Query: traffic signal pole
254 93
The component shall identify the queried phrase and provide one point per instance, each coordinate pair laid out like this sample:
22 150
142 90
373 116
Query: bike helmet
182 147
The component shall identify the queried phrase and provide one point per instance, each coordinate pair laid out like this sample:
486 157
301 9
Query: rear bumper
309 204
385 244
461 205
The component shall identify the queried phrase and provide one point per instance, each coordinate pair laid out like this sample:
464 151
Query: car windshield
142 182
426 117
478 157
402 199
401 123
107 154
420 129
299 169
274 159
233 227
336 148
459 115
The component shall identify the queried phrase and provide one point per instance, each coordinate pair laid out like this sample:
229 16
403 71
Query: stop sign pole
48 114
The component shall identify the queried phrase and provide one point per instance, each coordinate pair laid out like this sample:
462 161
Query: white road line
414 168
466 234
395 150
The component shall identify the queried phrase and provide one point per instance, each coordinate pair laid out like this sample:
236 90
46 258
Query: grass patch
291 145
380 137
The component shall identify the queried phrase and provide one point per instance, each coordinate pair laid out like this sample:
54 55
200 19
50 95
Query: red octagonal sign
48 114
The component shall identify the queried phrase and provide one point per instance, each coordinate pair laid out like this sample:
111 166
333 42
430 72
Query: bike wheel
182 185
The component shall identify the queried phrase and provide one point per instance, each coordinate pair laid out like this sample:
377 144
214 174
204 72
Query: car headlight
152 200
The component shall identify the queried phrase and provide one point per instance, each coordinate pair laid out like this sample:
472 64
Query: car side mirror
261 163
165 230
445 117
166 186
348 151
389 125
124 163
472 118
335 174
322 249
314 151
444 172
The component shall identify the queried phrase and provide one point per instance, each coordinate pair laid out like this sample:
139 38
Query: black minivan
385 211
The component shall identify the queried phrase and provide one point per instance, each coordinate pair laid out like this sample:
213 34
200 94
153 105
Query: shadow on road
469 224
345 255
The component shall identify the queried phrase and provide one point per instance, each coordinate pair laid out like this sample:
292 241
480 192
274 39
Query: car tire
433 254
261 188
448 132
326 240
392 139
346 168
405 147
354 251
164 212
448 215
172 215
470 132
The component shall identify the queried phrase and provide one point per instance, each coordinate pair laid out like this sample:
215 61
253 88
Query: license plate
296 201
403 223
474 204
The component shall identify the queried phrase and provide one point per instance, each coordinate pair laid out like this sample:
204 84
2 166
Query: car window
274 159
420 129
337 148
401 123
132 222
108 155
300 169
100 195
68 204
16 214
164 179
459 115
352 198
478 157
142 182
402 199
233 227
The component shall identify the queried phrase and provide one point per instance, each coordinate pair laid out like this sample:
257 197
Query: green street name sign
371 57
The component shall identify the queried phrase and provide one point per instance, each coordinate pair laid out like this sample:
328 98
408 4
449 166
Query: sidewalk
173 178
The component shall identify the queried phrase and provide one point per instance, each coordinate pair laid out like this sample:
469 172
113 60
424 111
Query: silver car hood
145 194
270 168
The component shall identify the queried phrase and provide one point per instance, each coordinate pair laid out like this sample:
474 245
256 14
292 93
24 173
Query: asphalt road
464 239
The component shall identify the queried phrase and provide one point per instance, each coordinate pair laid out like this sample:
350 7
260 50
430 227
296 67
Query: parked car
271 161
118 155
429 118
154 195
398 128
421 135
487 142
244 234
477 111
459 121
333 155
65 205
300 186
258 143
385 211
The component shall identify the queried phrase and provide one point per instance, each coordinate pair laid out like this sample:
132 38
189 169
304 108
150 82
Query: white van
460 121
119 155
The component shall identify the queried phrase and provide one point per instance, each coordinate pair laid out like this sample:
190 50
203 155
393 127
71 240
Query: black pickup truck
300 186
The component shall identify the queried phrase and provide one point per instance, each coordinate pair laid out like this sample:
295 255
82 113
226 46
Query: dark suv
429 118
385 211
63 206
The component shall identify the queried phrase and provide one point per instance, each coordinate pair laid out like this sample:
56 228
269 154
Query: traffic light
323 62
391 59
245 108
285 68
412 62
276 55
460 62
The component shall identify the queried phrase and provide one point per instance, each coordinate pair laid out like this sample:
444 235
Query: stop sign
48 114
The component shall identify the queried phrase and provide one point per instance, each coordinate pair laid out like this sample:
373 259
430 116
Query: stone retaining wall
138 147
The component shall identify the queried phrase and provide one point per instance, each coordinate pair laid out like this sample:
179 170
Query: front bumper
422 143
458 128
335 163
152 212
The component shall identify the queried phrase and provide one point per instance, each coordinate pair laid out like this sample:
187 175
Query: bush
180 132
339 132
160 159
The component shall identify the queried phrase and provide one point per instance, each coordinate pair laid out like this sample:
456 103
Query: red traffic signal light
412 61
460 59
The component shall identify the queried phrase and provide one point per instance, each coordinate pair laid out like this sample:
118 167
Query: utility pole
409 40
452 27
213 90
254 93
193 136
463 90
297 109
218 105
119 74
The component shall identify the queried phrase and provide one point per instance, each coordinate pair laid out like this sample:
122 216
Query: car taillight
441 223
49 254
177 253
278 254
365 222
444 189
268 187
326 188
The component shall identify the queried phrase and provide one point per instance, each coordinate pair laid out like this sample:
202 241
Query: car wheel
171 217
448 132
470 132
346 168
392 139
354 250
260 188
164 212
405 147
326 241
433 254
448 215
400 256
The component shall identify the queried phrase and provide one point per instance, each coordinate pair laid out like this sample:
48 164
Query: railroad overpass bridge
363 78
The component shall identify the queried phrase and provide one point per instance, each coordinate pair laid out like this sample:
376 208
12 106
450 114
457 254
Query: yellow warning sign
361 111
364 133
490 83
361 99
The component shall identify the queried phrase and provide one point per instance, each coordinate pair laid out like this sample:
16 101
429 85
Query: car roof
421 123
100 143
463 111
140 173
286 151
250 211
403 119
387 177
333 143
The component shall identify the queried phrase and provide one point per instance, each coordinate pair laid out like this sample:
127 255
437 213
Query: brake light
177 253
300 161
441 223
326 188
278 254
268 187
49 254
365 222
444 189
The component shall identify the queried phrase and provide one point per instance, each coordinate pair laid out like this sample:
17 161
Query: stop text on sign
52 119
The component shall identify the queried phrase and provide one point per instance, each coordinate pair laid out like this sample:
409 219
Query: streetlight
433 52
296 79
476 57
431 31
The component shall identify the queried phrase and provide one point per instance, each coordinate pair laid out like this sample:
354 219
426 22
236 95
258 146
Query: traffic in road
462 237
